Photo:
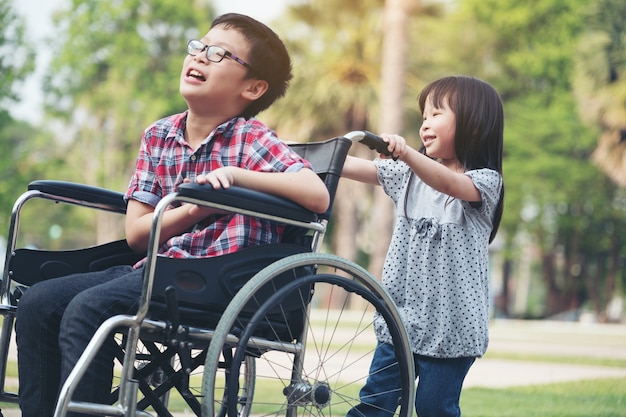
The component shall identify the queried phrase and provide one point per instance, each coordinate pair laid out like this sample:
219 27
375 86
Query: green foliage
600 83
555 195
16 55
608 17
116 70
532 44
12 169
335 49
546 160
131 46
28 153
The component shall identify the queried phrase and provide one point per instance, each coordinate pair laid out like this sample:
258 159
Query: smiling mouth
195 74
427 141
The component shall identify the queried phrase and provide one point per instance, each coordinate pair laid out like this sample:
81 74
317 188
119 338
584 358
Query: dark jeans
438 388
55 321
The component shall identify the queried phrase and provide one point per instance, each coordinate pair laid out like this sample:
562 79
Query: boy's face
210 87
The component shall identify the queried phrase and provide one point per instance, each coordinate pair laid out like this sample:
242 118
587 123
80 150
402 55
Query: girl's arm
360 169
440 177
446 179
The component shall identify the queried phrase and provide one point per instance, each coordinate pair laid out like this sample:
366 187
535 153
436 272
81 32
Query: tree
13 168
394 65
527 53
16 63
339 60
334 91
115 70
600 83
16 55
335 49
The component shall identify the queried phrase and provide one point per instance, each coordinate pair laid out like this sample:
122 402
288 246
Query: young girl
448 199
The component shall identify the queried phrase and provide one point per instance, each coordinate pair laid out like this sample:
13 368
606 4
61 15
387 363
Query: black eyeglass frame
193 49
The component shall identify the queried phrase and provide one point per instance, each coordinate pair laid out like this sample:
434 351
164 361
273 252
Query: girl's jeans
438 388
55 321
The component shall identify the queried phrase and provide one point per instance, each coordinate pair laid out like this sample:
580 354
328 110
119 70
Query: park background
111 68
106 70
81 79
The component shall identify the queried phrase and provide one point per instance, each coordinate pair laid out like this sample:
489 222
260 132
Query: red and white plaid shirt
166 159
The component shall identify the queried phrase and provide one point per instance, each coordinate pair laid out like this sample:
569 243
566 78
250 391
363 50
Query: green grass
589 398
272 394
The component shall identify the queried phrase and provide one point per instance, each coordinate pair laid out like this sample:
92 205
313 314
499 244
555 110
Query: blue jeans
438 388
55 321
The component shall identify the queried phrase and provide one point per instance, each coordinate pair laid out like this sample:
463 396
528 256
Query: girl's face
438 131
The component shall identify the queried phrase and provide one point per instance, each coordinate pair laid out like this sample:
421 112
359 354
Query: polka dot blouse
436 268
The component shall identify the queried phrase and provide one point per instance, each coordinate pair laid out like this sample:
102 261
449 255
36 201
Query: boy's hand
219 178
396 145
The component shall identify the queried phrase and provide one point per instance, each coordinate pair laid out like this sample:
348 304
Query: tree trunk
503 299
393 75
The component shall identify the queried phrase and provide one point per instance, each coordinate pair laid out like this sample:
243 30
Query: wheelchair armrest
246 199
81 192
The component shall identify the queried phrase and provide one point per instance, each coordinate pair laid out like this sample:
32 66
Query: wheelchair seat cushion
29 266
208 284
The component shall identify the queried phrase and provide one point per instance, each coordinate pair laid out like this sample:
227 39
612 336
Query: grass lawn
589 398
586 398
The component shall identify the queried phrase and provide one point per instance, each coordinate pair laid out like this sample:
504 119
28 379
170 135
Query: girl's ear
255 89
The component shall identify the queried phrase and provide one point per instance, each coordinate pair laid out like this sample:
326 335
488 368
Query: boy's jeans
55 321
438 389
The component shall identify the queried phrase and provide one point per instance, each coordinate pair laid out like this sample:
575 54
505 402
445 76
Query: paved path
543 340
560 340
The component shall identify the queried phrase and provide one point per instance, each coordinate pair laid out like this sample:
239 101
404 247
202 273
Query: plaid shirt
166 159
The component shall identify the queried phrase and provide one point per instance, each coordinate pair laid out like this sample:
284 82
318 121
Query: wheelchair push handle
371 140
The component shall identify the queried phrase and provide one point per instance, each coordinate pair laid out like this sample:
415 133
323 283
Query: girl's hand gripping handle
371 140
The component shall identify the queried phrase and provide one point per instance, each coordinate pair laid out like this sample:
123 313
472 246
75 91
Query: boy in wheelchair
239 68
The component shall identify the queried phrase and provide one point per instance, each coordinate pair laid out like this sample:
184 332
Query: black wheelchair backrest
327 159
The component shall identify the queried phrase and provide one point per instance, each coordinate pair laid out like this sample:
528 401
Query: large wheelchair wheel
313 340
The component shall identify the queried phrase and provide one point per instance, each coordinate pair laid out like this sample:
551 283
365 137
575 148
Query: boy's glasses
214 53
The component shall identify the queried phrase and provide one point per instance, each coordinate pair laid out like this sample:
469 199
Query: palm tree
350 62
336 53
600 83
393 76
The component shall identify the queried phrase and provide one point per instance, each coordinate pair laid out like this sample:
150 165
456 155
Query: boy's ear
255 89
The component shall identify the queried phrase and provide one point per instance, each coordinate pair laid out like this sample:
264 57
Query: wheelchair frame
300 391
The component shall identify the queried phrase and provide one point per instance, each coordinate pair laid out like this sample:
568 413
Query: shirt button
193 157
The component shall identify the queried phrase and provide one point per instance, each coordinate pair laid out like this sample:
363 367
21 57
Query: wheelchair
269 330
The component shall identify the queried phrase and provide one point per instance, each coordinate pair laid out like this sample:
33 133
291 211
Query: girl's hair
479 125
268 58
